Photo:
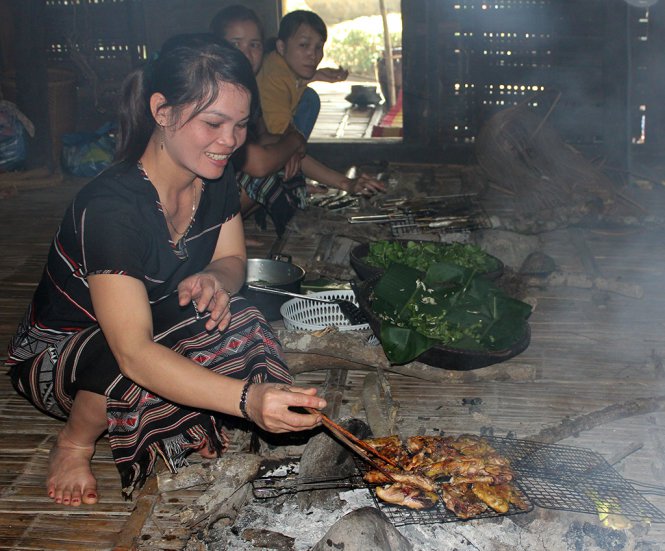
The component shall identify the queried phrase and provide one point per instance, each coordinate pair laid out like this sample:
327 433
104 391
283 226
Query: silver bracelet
243 400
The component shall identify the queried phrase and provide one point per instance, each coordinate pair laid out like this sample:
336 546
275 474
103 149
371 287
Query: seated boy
283 80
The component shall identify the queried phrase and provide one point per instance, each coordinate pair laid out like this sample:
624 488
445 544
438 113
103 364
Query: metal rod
273 291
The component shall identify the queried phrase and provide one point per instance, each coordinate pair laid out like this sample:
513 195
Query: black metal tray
442 356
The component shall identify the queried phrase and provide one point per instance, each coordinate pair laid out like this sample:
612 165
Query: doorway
363 106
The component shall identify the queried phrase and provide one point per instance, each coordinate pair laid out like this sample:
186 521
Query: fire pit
564 478
560 481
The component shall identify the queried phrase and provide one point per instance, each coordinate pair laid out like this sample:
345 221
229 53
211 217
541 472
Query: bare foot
249 242
70 480
206 453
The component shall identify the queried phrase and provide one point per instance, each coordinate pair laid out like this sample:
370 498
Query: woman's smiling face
204 144
303 51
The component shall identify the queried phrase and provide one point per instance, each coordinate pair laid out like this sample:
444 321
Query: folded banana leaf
447 305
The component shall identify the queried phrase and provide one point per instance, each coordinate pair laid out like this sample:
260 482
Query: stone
268 539
325 458
538 264
365 529
510 247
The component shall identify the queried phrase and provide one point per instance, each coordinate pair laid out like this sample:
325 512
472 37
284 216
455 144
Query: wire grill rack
401 516
550 476
460 214
574 479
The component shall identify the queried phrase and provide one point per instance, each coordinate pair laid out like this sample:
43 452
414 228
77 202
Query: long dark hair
187 71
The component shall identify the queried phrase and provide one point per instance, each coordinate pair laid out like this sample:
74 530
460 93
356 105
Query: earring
161 140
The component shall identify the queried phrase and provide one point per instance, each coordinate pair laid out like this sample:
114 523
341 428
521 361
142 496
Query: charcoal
605 538
268 539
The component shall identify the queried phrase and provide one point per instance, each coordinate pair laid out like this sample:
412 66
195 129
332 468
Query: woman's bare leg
70 480
247 207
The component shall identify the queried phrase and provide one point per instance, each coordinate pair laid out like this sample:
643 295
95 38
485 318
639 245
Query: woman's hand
268 406
365 185
207 294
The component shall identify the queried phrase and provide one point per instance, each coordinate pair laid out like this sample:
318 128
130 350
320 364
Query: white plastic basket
306 315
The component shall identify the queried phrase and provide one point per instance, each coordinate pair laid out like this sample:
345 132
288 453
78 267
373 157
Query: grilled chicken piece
390 447
499 496
417 480
427 450
470 444
407 496
462 469
385 441
431 445
461 500
516 497
477 476
376 477
411 479
495 496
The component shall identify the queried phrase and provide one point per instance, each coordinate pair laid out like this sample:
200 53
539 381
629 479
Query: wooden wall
463 60
168 17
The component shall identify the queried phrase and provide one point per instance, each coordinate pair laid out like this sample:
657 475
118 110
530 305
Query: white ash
308 527
283 470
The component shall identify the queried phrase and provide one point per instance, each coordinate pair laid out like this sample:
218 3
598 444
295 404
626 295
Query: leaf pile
422 254
446 305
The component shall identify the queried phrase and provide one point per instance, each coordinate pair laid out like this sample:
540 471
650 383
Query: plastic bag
86 154
13 142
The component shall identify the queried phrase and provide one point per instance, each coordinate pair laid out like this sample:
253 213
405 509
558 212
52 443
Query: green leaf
445 273
450 306
422 254
401 344
395 288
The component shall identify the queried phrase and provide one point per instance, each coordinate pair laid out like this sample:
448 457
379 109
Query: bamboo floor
589 350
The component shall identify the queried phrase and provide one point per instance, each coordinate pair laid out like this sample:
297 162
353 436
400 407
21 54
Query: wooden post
655 80
388 55
615 86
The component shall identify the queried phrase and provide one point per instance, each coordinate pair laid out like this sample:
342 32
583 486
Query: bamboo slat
588 350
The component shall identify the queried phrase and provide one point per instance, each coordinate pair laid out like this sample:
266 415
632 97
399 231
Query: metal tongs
265 488
361 448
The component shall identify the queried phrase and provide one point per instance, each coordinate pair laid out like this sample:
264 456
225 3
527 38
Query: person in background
282 82
135 328
267 160
282 192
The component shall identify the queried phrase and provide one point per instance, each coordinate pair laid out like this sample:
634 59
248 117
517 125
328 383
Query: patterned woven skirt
142 426
279 198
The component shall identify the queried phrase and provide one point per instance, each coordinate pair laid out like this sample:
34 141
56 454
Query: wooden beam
615 85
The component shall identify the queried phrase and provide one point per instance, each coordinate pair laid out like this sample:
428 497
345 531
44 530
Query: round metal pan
273 273
443 356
